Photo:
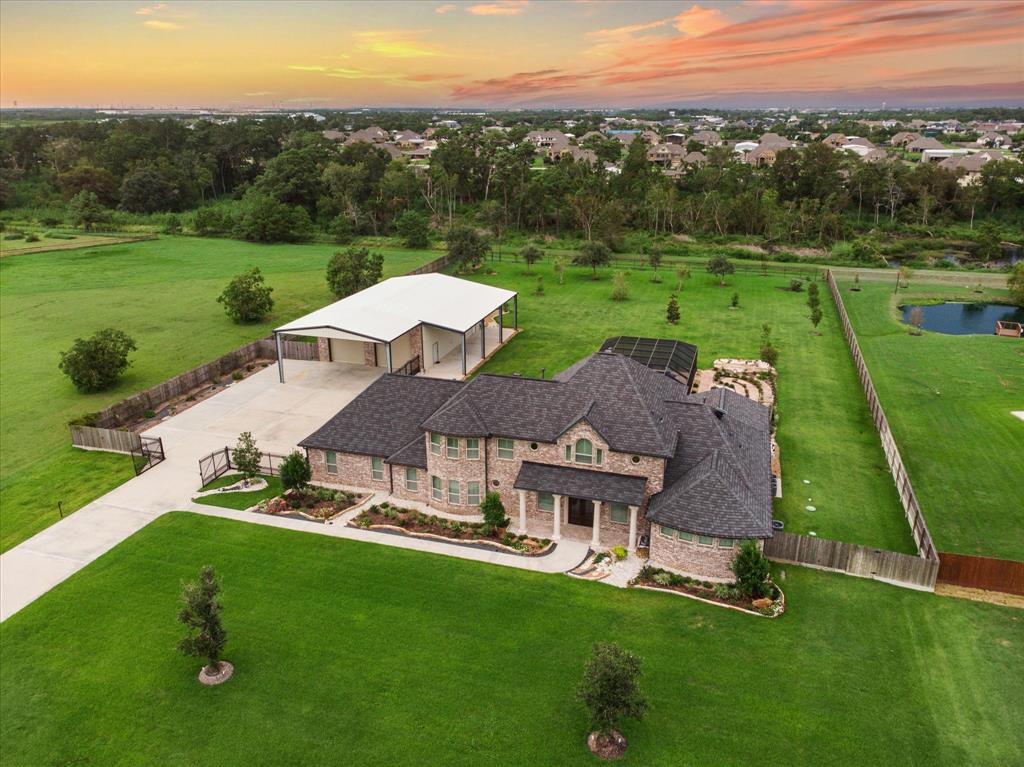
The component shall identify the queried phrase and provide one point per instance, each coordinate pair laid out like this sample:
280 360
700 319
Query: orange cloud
499 8
699 21
166 26
148 10
446 8
395 43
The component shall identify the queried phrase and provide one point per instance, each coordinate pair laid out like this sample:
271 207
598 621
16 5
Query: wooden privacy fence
110 440
982 573
918 526
889 566
298 350
433 266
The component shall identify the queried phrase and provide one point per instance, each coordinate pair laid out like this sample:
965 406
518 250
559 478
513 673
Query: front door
581 512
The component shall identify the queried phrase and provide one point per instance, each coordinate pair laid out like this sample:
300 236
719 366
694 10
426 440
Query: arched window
584 451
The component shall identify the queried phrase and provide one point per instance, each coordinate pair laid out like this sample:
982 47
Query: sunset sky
511 53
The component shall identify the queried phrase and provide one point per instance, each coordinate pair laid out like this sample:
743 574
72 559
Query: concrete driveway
278 415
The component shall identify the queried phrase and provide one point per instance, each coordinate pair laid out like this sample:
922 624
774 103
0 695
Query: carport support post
483 339
515 312
463 354
280 357
501 324
387 354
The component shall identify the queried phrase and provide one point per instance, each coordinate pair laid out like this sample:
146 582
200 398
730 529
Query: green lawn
353 653
825 430
949 399
163 293
239 500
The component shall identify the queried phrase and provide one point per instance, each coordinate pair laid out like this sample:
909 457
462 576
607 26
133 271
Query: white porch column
632 529
595 538
556 531
522 512
280 357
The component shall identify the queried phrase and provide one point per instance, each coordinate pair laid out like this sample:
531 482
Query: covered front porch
582 504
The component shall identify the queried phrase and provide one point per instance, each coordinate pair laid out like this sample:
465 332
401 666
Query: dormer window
582 451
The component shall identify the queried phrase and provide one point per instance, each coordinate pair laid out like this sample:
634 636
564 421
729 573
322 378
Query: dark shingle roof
581 483
719 480
385 417
623 400
412 454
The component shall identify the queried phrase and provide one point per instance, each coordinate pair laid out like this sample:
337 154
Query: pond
965 319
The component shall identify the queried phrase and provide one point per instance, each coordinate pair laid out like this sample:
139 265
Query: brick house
608 451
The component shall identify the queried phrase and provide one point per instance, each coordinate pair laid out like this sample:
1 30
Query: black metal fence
410 368
219 463
148 453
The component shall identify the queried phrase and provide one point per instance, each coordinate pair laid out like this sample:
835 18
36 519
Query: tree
340 229
813 299
247 298
768 351
247 456
988 239
559 268
593 254
414 229
750 566
466 247
720 266
620 289
735 301
201 614
1015 283
539 290
682 274
86 210
531 254
147 190
211 220
353 270
89 178
609 688
815 316
264 219
904 276
654 259
295 471
672 312
95 364
493 510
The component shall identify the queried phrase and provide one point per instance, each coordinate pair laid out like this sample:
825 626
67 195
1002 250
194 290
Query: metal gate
214 465
148 453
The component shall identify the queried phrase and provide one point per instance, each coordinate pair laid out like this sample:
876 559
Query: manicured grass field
241 499
352 653
163 293
825 430
948 400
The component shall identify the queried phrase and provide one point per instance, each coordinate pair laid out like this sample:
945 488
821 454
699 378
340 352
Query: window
473 493
545 501
435 443
705 540
505 449
725 543
620 513
600 457
377 468
412 479
568 452
473 449
453 491
332 462
435 489
685 536
452 447
635 459
534 446
666 531
584 451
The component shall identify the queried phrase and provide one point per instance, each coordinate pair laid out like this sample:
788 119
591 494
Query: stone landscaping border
302 516
475 544
780 601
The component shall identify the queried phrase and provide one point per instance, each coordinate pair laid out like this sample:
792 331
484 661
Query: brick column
522 512
595 538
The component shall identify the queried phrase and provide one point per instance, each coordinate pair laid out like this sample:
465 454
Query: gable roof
385 417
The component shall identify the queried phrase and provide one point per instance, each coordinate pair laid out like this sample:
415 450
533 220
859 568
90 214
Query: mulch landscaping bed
723 594
315 504
388 518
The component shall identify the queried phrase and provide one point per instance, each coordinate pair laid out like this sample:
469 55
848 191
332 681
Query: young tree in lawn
815 317
531 254
414 229
682 275
247 297
466 247
768 351
201 614
721 267
904 278
95 363
295 471
246 456
353 270
86 210
654 259
620 289
672 312
750 566
611 692
813 297
493 510
539 290
559 267
735 301
593 254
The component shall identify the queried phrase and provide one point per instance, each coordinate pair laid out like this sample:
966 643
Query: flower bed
416 523
726 594
317 503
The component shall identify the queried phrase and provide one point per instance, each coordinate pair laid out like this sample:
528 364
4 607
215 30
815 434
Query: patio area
450 366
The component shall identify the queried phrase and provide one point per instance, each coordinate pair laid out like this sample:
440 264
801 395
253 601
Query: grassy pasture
373 655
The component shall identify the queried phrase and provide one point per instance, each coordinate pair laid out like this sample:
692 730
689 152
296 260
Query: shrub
610 689
539 290
353 270
296 473
264 219
247 298
466 247
31 237
796 285
414 229
620 289
149 414
619 552
237 375
172 225
211 221
672 312
493 510
751 569
735 300
201 614
95 364
663 578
